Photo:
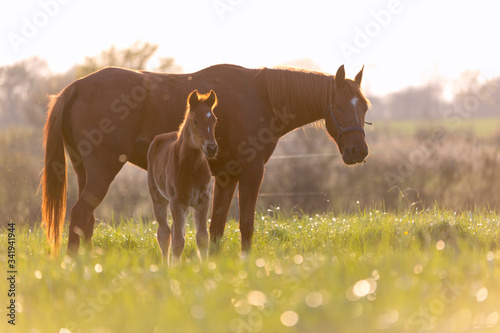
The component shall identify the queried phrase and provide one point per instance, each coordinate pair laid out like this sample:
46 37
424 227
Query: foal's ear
212 99
193 98
340 77
359 76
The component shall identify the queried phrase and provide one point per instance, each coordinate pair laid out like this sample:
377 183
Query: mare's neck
298 97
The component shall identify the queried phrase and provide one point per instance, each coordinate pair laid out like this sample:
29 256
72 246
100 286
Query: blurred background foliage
428 147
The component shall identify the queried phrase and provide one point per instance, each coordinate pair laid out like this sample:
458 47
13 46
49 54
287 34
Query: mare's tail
54 171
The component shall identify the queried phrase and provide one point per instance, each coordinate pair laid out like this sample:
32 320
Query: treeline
24 87
472 97
455 169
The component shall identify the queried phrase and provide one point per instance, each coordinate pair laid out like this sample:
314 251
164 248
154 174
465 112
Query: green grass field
433 271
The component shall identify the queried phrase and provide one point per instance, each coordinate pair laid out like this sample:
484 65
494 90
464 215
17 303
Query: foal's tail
54 171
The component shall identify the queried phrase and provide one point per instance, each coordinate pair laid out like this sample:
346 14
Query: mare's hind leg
81 176
98 179
200 216
178 211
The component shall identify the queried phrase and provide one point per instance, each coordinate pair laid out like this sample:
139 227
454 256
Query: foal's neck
188 149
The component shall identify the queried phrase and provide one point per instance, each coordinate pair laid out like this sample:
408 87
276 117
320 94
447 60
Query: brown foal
179 175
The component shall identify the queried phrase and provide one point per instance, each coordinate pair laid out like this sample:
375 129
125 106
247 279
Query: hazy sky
402 43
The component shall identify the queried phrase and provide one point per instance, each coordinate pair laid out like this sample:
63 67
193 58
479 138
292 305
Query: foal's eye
195 123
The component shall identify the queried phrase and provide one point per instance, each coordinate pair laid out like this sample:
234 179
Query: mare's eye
195 122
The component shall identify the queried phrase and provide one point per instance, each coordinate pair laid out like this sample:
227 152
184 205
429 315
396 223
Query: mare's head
345 117
202 121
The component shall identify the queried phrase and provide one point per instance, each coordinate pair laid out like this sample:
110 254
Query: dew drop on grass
260 262
440 245
314 299
289 318
98 268
482 294
256 297
242 307
298 259
197 311
492 319
357 310
364 287
38 275
242 274
385 320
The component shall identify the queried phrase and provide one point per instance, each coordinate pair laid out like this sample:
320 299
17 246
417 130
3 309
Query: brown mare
179 175
110 117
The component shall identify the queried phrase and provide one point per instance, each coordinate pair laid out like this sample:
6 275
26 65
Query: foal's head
202 121
345 117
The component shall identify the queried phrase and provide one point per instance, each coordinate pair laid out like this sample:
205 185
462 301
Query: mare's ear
359 76
340 77
193 98
212 99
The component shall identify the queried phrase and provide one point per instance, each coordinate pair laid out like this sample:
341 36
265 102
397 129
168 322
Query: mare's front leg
179 211
249 186
222 196
200 216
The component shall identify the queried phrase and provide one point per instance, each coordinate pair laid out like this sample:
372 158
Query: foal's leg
160 206
200 216
178 229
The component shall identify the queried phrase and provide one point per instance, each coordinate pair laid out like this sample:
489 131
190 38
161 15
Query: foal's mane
303 91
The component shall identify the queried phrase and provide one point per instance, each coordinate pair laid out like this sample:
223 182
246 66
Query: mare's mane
297 90
303 91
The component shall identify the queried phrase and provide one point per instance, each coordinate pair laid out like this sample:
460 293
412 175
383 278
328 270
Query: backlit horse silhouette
110 117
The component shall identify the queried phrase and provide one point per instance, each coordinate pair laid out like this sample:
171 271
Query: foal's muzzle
211 150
